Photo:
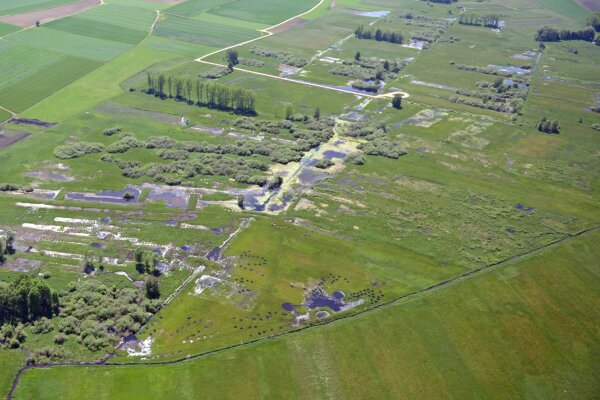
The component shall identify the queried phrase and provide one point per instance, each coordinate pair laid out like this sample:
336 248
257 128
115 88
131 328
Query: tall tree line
202 93
381 36
548 34
487 20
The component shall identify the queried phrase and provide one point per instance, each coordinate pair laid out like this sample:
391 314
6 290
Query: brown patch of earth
6 141
27 20
592 5
288 25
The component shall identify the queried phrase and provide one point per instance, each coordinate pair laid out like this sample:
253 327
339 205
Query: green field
37 86
70 44
264 11
204 33
98 30
525 327
11 7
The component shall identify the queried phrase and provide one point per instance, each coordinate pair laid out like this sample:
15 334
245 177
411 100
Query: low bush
76 150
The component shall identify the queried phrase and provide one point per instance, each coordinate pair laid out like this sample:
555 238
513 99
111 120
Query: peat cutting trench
405 297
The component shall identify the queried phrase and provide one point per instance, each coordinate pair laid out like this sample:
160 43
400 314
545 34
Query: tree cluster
548 34
487 20
206 94
231 56
379 35
26 300
547 126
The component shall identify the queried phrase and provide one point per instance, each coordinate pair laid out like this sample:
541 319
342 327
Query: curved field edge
528 328
11 361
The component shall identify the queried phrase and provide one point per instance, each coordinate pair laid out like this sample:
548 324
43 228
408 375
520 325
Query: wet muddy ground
106 196
7 140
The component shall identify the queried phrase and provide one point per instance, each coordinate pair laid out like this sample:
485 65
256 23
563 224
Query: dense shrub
121 146
324 163
355 158
111 131
284 56
377 142
76 150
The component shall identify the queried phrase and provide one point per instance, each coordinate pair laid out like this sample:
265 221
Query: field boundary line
43 8
12 113
308 83
400 299
266 30
268 33
61 17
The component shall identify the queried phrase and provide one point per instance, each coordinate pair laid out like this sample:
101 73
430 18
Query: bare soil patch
592 5
289 25
6 141
27 20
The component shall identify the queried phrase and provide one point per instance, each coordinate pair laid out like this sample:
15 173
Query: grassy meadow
525 327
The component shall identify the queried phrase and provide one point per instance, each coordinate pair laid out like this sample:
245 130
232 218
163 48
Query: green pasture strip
205 33
30 90
70 44
264 11
99 30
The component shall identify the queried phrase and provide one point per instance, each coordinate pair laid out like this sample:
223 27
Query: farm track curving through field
267 32
406 297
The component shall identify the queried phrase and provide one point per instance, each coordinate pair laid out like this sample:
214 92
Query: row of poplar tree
202 93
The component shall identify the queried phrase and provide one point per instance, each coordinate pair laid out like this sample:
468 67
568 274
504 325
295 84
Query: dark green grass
216 35
25 93
100 30
526 327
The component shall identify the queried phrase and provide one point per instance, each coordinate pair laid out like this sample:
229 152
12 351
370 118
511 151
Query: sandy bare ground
27 20
288 25
592 5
